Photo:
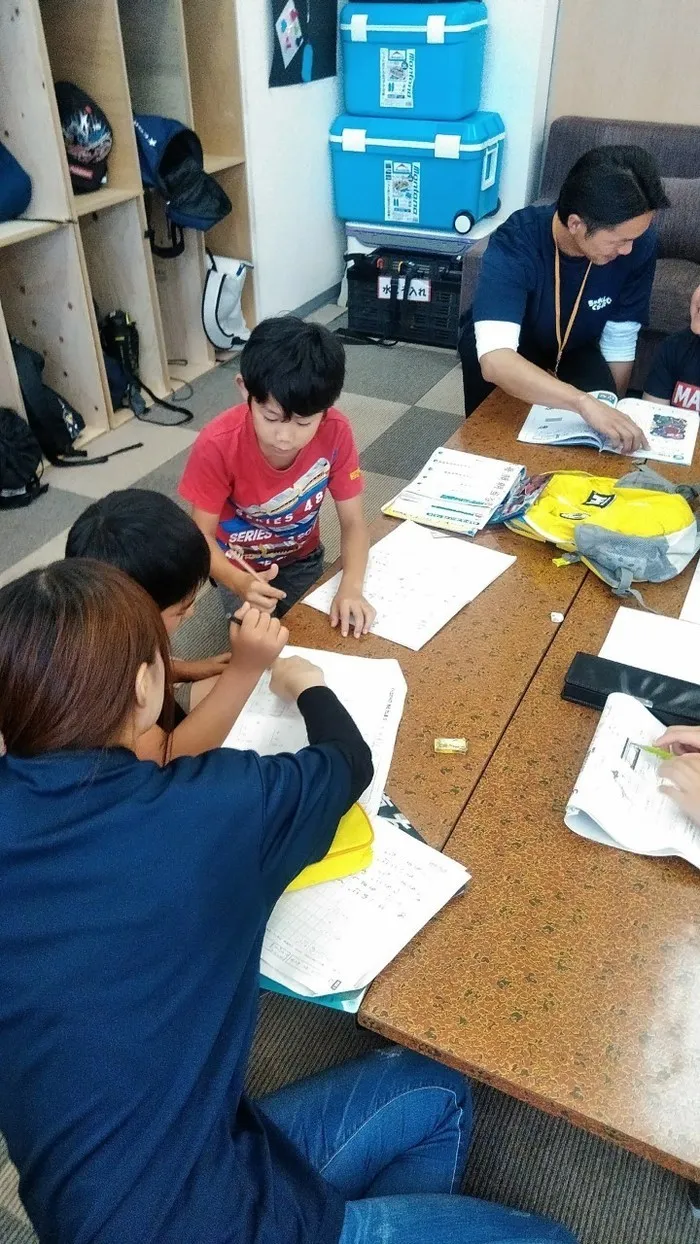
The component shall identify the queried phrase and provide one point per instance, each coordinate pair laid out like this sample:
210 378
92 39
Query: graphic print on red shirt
686 396
270 514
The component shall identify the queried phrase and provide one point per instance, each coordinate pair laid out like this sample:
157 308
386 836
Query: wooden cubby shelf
72 253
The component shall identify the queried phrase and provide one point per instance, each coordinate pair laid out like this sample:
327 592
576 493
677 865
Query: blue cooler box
413 60
417 174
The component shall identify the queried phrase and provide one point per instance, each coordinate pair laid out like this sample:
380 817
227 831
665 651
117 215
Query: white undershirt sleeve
618 341
495 335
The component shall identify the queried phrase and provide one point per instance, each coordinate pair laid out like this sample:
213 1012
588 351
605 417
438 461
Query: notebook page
456 491
372 691
548 425
338 936
395 583
618 786
671 433
651 641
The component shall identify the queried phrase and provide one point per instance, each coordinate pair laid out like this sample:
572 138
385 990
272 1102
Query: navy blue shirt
516 283
134 901
675 371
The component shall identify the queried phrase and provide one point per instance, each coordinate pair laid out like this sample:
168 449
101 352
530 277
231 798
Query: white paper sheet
407 612
338 936
617 799
372 691
455 491
651 641
691 605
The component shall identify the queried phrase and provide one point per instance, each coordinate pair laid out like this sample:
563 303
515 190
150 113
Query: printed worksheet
373 692
456 491
651 641
338 936
410 612
617 799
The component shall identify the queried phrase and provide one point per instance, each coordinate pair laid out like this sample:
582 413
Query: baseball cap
87 135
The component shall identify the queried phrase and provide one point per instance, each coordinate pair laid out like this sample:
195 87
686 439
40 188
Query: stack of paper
417 580
456 491
336 937
651 641
372 691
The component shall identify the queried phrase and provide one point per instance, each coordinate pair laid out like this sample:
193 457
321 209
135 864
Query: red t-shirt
271 514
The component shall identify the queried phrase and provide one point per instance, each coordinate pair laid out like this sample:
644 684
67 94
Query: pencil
235 555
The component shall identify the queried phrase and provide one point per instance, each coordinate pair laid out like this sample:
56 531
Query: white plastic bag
222 316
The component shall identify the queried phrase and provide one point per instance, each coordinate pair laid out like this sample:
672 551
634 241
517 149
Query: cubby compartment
231 236
215 86
9 385
45 305
156 57
29 120
120 278
84 43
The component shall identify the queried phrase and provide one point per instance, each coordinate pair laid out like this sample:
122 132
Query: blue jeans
391 1133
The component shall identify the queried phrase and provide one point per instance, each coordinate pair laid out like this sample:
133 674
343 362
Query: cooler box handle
489 167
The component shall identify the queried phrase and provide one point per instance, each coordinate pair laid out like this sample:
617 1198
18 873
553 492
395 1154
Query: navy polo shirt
134 902
516 284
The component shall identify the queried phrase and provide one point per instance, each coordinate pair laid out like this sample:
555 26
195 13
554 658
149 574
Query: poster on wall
304 41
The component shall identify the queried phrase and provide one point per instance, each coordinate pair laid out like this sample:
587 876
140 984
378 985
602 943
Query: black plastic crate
405 296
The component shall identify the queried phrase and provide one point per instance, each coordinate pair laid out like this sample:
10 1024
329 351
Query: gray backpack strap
646 477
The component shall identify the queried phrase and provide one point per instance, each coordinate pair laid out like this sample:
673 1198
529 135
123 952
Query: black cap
87 135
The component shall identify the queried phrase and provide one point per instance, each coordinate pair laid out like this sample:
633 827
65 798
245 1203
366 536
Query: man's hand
618 429
257 642
197 671
257 589
350 611
680 739
292 675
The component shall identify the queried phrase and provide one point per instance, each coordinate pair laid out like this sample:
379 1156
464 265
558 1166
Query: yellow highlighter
660 752
349 852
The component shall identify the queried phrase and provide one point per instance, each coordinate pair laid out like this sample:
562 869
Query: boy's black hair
300 365
610 185
149 537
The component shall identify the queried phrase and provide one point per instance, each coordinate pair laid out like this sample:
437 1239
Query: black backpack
119 336
54 422
21 464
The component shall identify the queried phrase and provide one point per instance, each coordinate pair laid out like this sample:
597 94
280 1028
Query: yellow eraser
450 745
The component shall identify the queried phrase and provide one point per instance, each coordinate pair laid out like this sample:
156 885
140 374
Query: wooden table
569 973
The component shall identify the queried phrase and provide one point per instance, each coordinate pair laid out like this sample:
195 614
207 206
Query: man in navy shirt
564 290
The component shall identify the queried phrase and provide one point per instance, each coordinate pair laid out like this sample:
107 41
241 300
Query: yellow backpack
636 529
349 852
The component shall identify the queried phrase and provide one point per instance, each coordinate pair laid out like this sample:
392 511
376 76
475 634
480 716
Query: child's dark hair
610 185
300 365
149 537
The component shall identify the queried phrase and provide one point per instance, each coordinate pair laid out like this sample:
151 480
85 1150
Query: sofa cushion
674 282
679 225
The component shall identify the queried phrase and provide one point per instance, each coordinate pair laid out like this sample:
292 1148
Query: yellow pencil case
350 852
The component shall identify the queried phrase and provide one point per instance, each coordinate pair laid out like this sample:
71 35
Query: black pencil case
590 680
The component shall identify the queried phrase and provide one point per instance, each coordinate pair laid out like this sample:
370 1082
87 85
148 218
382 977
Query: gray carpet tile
399 374
405 447
369 416
378 490
24 531
213 392
166 478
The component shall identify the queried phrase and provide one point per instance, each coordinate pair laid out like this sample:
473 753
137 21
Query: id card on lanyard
561 341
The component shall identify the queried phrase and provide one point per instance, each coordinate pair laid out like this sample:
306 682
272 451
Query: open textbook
671 433
395 582
373 692
617 798
456 491
336 937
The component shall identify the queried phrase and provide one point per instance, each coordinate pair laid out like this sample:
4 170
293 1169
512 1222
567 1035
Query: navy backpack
172 163
15 186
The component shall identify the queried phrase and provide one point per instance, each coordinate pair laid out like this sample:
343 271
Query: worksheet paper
373 692
651 641
456 491
617 798
410 610
691 605
338 936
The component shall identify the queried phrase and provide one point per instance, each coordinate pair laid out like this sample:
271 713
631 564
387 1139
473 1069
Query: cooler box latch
447 146
353 140
358 27
435 28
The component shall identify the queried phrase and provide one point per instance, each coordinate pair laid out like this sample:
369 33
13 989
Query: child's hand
680 739
292 675
684 773
258 641
351 611
259 591
197 671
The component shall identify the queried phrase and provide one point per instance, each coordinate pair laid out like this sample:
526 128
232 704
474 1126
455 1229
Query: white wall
297 241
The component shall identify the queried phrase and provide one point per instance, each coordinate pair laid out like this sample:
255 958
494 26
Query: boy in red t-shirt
257 475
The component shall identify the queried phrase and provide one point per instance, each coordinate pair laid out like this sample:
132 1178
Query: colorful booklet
617 799
670 433
456 491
